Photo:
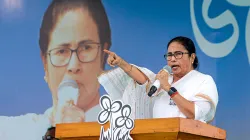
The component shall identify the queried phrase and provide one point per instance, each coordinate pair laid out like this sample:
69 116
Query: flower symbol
124 119
108 108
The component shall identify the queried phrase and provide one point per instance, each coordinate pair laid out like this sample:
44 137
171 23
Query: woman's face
73 29
183 65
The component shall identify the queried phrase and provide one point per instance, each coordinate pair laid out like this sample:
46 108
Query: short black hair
189 46
50 134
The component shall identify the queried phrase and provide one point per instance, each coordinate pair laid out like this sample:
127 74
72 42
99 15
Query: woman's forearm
185 106
133 72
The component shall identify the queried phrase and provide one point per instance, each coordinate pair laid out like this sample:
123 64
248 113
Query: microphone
157 83
68 93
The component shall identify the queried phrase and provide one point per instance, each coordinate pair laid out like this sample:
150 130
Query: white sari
122 87
194 86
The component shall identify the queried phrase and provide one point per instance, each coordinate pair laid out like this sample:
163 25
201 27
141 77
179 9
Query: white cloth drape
194 86
33 126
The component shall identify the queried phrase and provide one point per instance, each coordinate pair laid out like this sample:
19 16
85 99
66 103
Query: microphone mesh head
168 69
68 91
68 82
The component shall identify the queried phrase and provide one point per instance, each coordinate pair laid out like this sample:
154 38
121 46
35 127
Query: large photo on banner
55 51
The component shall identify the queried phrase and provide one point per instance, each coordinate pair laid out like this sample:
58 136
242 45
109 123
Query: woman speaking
185 92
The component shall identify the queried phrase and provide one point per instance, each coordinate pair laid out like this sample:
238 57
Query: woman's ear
44 60
43 57
106 46
193 55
